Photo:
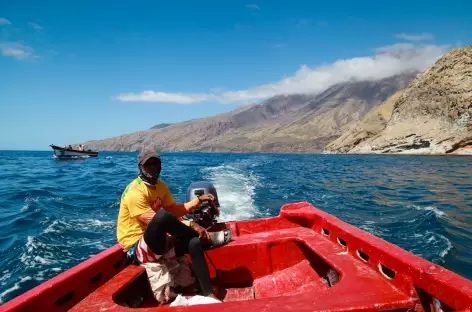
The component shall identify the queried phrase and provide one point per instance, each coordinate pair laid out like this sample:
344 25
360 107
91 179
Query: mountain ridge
299 123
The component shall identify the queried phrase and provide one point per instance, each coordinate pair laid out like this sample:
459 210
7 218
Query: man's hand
207 197
210 198
202 232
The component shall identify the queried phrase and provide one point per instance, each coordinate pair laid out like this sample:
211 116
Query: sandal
221 238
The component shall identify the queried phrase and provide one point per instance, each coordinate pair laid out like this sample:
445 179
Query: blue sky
71 71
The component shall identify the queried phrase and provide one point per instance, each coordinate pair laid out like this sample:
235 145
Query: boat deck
284 267
302 260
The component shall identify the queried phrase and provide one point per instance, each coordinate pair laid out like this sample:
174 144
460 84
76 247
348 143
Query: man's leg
199 266
162 223
187 241
195 248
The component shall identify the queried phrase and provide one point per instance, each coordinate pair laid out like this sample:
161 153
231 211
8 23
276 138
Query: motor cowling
205 214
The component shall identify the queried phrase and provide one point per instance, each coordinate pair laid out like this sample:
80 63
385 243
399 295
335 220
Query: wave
37 253
424 243
444 253
417 230
436 211
15 287
438 247
32 195
48 253
25 207
59 226
6 274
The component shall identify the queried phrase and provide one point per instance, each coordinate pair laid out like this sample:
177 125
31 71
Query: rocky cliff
432 116
285 123
373 123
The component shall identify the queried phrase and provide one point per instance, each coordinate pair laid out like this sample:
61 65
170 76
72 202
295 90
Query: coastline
464 151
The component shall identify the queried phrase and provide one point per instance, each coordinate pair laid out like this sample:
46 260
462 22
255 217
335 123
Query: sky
72 71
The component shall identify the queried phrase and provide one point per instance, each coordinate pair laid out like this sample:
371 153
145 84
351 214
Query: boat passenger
148 212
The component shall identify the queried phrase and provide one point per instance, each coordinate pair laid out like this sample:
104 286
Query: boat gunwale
411 271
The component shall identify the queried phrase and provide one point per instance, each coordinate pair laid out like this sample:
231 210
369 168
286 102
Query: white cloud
386 62
35 26
156 96
16 50
4 21
415 37
253 6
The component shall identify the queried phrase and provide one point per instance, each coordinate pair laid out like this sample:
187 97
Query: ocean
57 213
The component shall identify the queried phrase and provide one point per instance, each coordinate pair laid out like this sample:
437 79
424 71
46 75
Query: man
148 213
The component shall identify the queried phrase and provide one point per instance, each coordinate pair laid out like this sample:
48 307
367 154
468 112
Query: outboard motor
205 215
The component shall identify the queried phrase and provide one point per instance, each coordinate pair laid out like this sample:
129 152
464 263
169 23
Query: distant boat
62 152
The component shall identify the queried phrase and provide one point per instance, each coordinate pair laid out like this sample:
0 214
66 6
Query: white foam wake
236 192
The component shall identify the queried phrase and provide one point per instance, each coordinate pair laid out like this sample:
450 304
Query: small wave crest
438 246
58 226
447 248
32 195
24 208
415 235
34 200
432 209
49 249
15 287
37 253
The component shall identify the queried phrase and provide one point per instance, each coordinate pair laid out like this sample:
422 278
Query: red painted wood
295 279
74 281
283 259
238 294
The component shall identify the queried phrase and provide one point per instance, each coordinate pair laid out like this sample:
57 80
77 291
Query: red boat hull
273 264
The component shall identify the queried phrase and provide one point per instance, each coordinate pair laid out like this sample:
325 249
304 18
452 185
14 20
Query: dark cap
146 154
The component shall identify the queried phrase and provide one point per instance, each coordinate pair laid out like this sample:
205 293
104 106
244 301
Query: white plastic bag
182 301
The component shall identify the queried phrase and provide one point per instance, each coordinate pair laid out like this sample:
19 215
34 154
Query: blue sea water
57 213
